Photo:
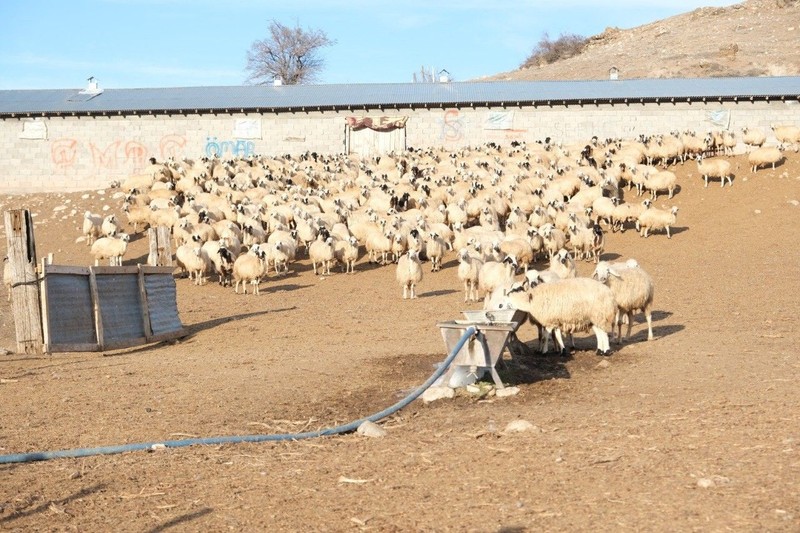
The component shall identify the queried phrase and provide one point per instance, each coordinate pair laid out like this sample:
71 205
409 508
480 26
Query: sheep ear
614 273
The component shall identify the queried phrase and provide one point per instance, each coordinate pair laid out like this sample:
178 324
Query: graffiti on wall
452 126
237 148
66 153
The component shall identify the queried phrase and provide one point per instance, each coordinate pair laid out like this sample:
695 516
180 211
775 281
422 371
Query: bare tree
288 54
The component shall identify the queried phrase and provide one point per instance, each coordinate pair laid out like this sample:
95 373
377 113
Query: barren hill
753 38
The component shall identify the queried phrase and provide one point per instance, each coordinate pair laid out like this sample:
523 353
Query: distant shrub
549 51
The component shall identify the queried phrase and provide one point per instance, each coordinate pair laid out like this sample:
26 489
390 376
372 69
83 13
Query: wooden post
160 246
25 301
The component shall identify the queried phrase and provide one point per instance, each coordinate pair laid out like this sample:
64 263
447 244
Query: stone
437 393
519 426
371 429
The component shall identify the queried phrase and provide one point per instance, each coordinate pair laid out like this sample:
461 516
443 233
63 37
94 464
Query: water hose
235 439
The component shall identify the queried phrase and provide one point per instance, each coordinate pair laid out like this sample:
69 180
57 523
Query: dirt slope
753 38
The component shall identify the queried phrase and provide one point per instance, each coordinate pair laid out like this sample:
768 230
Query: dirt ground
695 430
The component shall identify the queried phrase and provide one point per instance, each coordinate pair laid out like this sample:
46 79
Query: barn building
80 139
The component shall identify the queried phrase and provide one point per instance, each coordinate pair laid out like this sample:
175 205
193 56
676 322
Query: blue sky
179 43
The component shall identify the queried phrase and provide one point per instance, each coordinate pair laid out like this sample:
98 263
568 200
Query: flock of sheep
498 209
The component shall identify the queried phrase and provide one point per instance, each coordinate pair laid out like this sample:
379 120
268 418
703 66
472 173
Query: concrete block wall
83 153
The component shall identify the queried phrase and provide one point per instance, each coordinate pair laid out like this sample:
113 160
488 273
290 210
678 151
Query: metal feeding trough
493 329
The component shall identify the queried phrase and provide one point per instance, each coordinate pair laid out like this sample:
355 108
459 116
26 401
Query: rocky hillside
753 38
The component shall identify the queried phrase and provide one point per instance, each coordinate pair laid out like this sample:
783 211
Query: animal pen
59 308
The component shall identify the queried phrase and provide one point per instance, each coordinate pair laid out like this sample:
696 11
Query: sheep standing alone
633 290
409 273
655 219
568 306
249 268
714 168
765 155
111 248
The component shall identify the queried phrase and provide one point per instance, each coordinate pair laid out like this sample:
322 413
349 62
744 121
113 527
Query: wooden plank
60 348
45 314
98 321
66 269
25 302
114 270
148 331
160 246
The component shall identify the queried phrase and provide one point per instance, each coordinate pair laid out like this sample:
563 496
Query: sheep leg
560 343
467 291
413 294
603 347
405 291
649 318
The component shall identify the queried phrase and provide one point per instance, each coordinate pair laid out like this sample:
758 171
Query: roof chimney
444 76
277 81
92 87
613 73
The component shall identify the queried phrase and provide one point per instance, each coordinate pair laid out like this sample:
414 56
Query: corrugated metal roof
366 96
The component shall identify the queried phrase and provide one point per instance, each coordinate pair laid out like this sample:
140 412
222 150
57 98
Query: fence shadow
208 324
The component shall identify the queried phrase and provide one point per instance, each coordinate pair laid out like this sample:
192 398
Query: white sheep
111 248
409 273
633 290
520 248
663 180
91 226
321 251
137 214
568 306
346 253
787 135
563 265
191 258
468 269
654 219
277 255
435 247
249 267
765 155
109 226
753 137
494 275
714 168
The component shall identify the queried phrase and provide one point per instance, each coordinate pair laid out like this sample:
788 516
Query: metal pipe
234 439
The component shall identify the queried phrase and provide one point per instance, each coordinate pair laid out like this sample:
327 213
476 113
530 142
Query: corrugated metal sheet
162 304
312 97
120 307
70 314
